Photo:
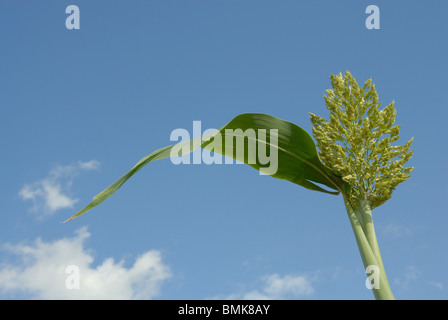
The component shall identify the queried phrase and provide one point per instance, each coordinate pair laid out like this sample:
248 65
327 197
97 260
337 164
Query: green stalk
368 247
369 229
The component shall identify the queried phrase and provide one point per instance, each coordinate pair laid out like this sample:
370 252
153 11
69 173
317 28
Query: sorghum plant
354 156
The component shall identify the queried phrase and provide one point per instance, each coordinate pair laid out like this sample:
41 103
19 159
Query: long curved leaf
289 150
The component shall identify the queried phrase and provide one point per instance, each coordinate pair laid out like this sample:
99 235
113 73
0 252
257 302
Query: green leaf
290 154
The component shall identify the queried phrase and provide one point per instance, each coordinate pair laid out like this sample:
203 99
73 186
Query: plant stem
369 230
362 225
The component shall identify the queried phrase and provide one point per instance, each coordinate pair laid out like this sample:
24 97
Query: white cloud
396 231
43 272
89 165
436 284
410 275
275 287
52 193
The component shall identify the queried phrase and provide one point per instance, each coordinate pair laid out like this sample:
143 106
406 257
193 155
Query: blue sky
80 107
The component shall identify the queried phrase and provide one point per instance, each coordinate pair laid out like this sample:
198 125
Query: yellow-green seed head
356 141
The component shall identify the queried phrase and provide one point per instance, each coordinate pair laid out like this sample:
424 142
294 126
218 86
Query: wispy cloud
410 275
436 284
44 268
276 287
89 165
52 193
396 231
